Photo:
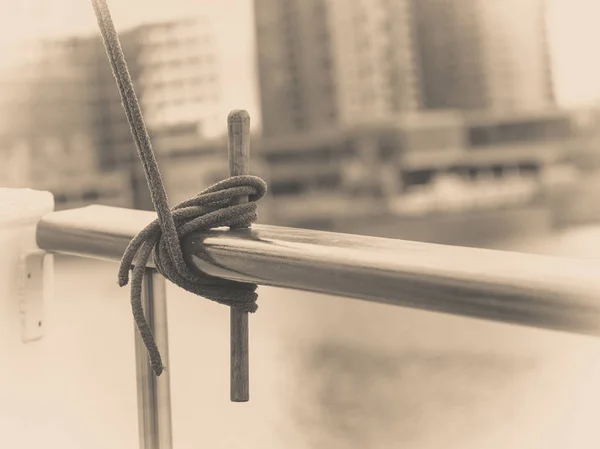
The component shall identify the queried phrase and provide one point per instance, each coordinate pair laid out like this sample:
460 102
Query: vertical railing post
154 393
238 131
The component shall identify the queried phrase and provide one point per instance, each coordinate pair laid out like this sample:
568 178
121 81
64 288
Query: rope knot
211 208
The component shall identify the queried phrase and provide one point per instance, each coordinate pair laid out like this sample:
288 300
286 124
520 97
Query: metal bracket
33 286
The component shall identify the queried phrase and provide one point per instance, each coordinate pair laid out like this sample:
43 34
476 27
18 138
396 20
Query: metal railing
538 291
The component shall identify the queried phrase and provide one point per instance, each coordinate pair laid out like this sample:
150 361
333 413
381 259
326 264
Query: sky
575 44
574 38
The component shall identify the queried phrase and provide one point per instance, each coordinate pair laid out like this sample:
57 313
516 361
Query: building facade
324 63
63 110
178 75
44 101
481 54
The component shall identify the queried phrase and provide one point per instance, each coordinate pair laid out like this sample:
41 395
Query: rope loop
211 208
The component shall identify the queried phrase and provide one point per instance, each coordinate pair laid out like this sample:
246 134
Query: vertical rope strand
210 208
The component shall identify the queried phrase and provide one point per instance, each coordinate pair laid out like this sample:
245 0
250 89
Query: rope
210 208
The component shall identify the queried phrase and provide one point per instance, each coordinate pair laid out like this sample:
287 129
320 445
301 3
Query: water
332 373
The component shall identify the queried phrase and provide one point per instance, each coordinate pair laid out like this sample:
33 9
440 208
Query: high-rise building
329 62
178 75
483 54
43 100
63 108
66 86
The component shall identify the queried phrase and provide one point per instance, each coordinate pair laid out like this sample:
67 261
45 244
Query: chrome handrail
533 290
539 291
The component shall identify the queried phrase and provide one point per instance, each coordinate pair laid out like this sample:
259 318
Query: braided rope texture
209 209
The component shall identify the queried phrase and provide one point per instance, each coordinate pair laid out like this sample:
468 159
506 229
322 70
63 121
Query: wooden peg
238 133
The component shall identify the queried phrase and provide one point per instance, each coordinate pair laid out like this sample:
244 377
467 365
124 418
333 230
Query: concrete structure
325 63
329 62
418 145
304 164
178 75
480 54
67 83
174 71
44 101
63 111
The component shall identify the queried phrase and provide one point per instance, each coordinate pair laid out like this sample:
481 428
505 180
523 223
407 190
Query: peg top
238 116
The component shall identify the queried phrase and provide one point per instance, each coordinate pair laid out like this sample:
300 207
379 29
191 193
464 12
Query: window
479 136
60 198
328 181
90 195
303 155
299 122
287 188
418 177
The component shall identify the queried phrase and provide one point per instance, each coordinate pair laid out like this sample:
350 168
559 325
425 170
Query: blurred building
482 54
186 174
346 177
178 88
332 62
329 62
107 123
43 101
350 170
178 76
63 108
174 72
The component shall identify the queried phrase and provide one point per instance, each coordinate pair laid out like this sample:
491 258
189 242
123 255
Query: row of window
171 42
185 64
422 177
428 139
176 56
553 129
179 30
296 187
181 98
384 148
191 84
334 180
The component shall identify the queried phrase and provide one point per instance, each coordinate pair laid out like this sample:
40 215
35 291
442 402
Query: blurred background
454 121
462 122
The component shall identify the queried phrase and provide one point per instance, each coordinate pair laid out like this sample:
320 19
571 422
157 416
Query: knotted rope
210 208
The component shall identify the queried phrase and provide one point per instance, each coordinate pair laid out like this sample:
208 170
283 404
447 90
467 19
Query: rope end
158 369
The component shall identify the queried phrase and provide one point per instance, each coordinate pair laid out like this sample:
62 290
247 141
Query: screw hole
28 275
39 324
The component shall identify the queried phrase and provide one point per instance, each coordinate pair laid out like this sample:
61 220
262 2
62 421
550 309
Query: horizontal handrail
538 291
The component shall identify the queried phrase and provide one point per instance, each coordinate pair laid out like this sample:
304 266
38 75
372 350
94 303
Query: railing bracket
33 285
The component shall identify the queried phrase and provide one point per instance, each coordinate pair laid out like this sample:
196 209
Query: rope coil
209 209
